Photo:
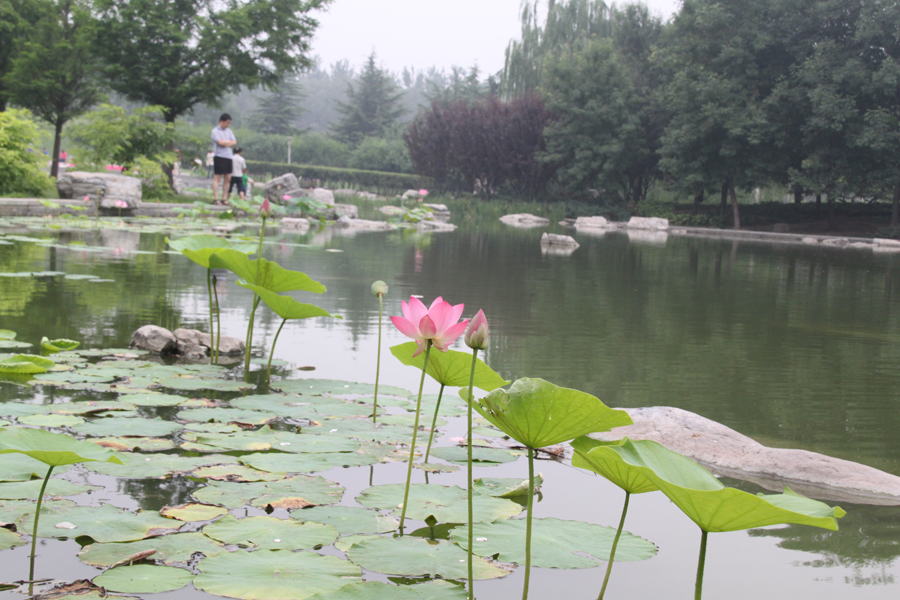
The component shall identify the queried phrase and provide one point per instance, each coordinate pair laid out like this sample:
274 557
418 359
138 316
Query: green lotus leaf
9 344
105 523
447 504
450 368
556 544
273 575
226 415
14 409
237 473
278 462
200 247
285 306
603 458
263 273
459 455
123 426
51 420
10 539
60 345
6 334
193 512
171 549
24 490
504 488
269 533
192 384
157 466
345 542
294 492
21 467
335 387
90 407
537 413
375 590
53 449
152 399
348 519
144 579
417 557
708 503
26 364
266 438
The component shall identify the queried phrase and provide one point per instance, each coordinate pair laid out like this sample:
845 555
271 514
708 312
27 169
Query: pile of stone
187 343
110 188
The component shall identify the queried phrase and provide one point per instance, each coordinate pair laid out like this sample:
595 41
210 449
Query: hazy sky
422 33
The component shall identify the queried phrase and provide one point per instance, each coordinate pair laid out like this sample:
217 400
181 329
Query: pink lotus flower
477 333
120 204
87 198
423 192
265 211
437 323
286 197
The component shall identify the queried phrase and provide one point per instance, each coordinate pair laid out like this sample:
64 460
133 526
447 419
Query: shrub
379 154
21 173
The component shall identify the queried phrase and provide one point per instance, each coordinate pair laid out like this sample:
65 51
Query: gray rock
726 452
359 194
293 223
110 187
322 195
524 220
157 340
652 223
346 222
341 210
886 242
592 223
552 239
411 194
191 351
287 184
227 345
435 226
392 210
810 240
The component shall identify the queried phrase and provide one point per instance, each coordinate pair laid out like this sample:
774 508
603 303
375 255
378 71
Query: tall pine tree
279 111
372 107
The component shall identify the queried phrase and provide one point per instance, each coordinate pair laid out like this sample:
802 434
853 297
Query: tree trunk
895 213
830 213
818 204
698 200
798 197
723 200
54 157
168 169
734 204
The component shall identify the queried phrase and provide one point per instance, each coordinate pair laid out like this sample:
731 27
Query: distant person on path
224 141
209 163
238 168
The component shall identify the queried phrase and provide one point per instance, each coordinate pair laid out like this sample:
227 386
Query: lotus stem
612 553
434 421
249 344
701 563
471 491
528 522
412 450
272 352
37 515
210 294
218 320
378 361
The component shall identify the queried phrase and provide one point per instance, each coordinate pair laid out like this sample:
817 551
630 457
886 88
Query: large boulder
524 220
194 337
553 239
294 224
154 339
287 184
652 223
592 223
391 210
440 211
109 187
333 213
322 195
435 226
726 452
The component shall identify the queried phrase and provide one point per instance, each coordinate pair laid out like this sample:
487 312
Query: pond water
795 346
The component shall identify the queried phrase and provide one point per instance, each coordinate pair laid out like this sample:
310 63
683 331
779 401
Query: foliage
278 111
21 172
112 134
371 109
54 73
380 154
450 368
179 54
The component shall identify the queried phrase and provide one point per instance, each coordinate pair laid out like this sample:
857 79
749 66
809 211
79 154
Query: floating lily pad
348 519
21 467
123 426
555 543
193 512
418 557
144 579
332 387
105 523
10 539
294 492
273 575
236 473
51 420
151 399
24 490
376 590
171 549
15 409
155 466
505 488
226 415
345 542
447 504
14 344
269 533
26 364
436 467
266 438
60 345
278 462
457 454
90 407
195 383
137 444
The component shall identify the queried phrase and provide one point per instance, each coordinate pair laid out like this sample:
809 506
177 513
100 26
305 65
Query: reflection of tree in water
866 543
153 494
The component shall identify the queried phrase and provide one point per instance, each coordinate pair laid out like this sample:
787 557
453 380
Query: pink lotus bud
265 211
286 197
477 333
423 192
87 198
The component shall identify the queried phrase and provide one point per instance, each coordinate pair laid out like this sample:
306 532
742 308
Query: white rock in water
648 223
726 452
524 220
592 222
552 239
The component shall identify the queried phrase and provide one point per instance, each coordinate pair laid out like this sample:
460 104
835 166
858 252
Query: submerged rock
293 223
729 453
157 340
524 220
423 226
592 223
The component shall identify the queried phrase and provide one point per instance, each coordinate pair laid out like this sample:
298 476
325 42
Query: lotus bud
477 333
379 288
265 211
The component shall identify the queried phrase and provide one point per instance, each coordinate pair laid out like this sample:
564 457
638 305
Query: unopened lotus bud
379 288
265 211
477 333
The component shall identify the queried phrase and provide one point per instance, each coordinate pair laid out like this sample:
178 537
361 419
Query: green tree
17 18
55 74
279 111
181 53
21 172
372 107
